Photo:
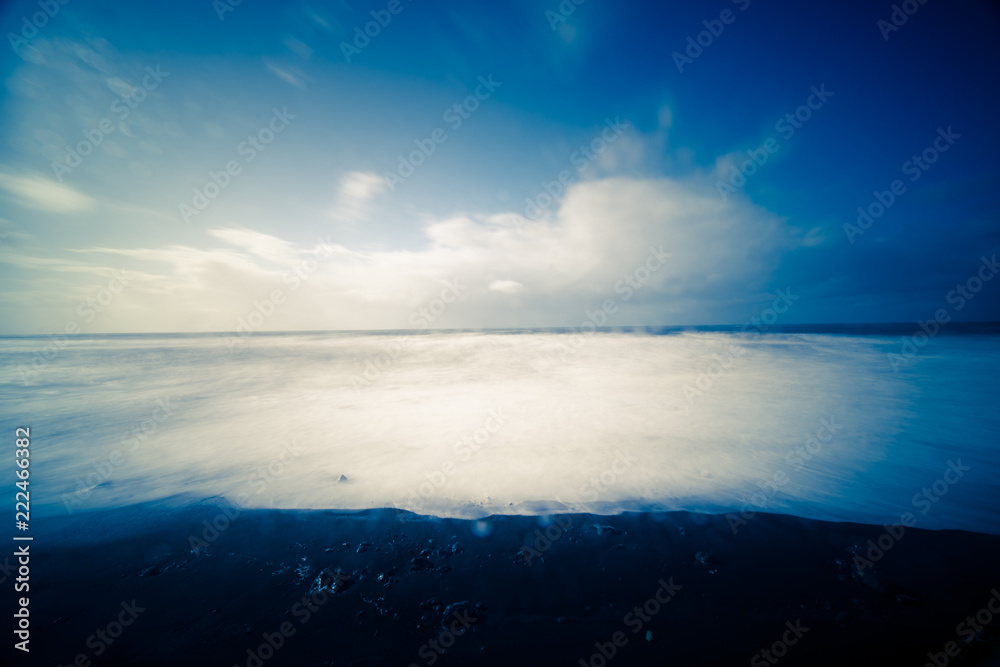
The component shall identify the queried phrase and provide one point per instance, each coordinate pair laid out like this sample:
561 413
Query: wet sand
386 587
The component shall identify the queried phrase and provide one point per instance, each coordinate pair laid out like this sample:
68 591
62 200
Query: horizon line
773 328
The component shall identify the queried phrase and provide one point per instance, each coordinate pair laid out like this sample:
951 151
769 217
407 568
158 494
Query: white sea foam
607 427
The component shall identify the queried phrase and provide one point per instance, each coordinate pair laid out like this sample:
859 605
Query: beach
486 501
567 333
210 584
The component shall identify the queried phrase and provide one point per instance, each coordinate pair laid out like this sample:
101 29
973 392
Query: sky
211 166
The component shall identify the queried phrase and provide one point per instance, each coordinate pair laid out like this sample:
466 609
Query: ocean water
469 424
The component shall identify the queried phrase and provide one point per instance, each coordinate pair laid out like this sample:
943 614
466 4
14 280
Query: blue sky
313 216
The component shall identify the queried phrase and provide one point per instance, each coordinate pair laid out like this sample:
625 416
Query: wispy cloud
292 75
43 194
260 245
356 190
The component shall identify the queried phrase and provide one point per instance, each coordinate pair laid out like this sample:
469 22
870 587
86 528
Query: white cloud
292 75
559 268
299 48
361 186
43 194
356 190
506 286
265 246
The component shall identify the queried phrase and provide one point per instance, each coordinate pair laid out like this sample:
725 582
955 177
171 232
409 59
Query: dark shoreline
710 596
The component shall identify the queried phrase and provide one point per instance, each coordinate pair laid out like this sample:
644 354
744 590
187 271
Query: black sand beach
388 587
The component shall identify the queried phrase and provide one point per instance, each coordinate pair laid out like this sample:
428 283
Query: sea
880 424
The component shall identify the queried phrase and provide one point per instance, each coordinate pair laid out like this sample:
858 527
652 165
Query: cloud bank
514 272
